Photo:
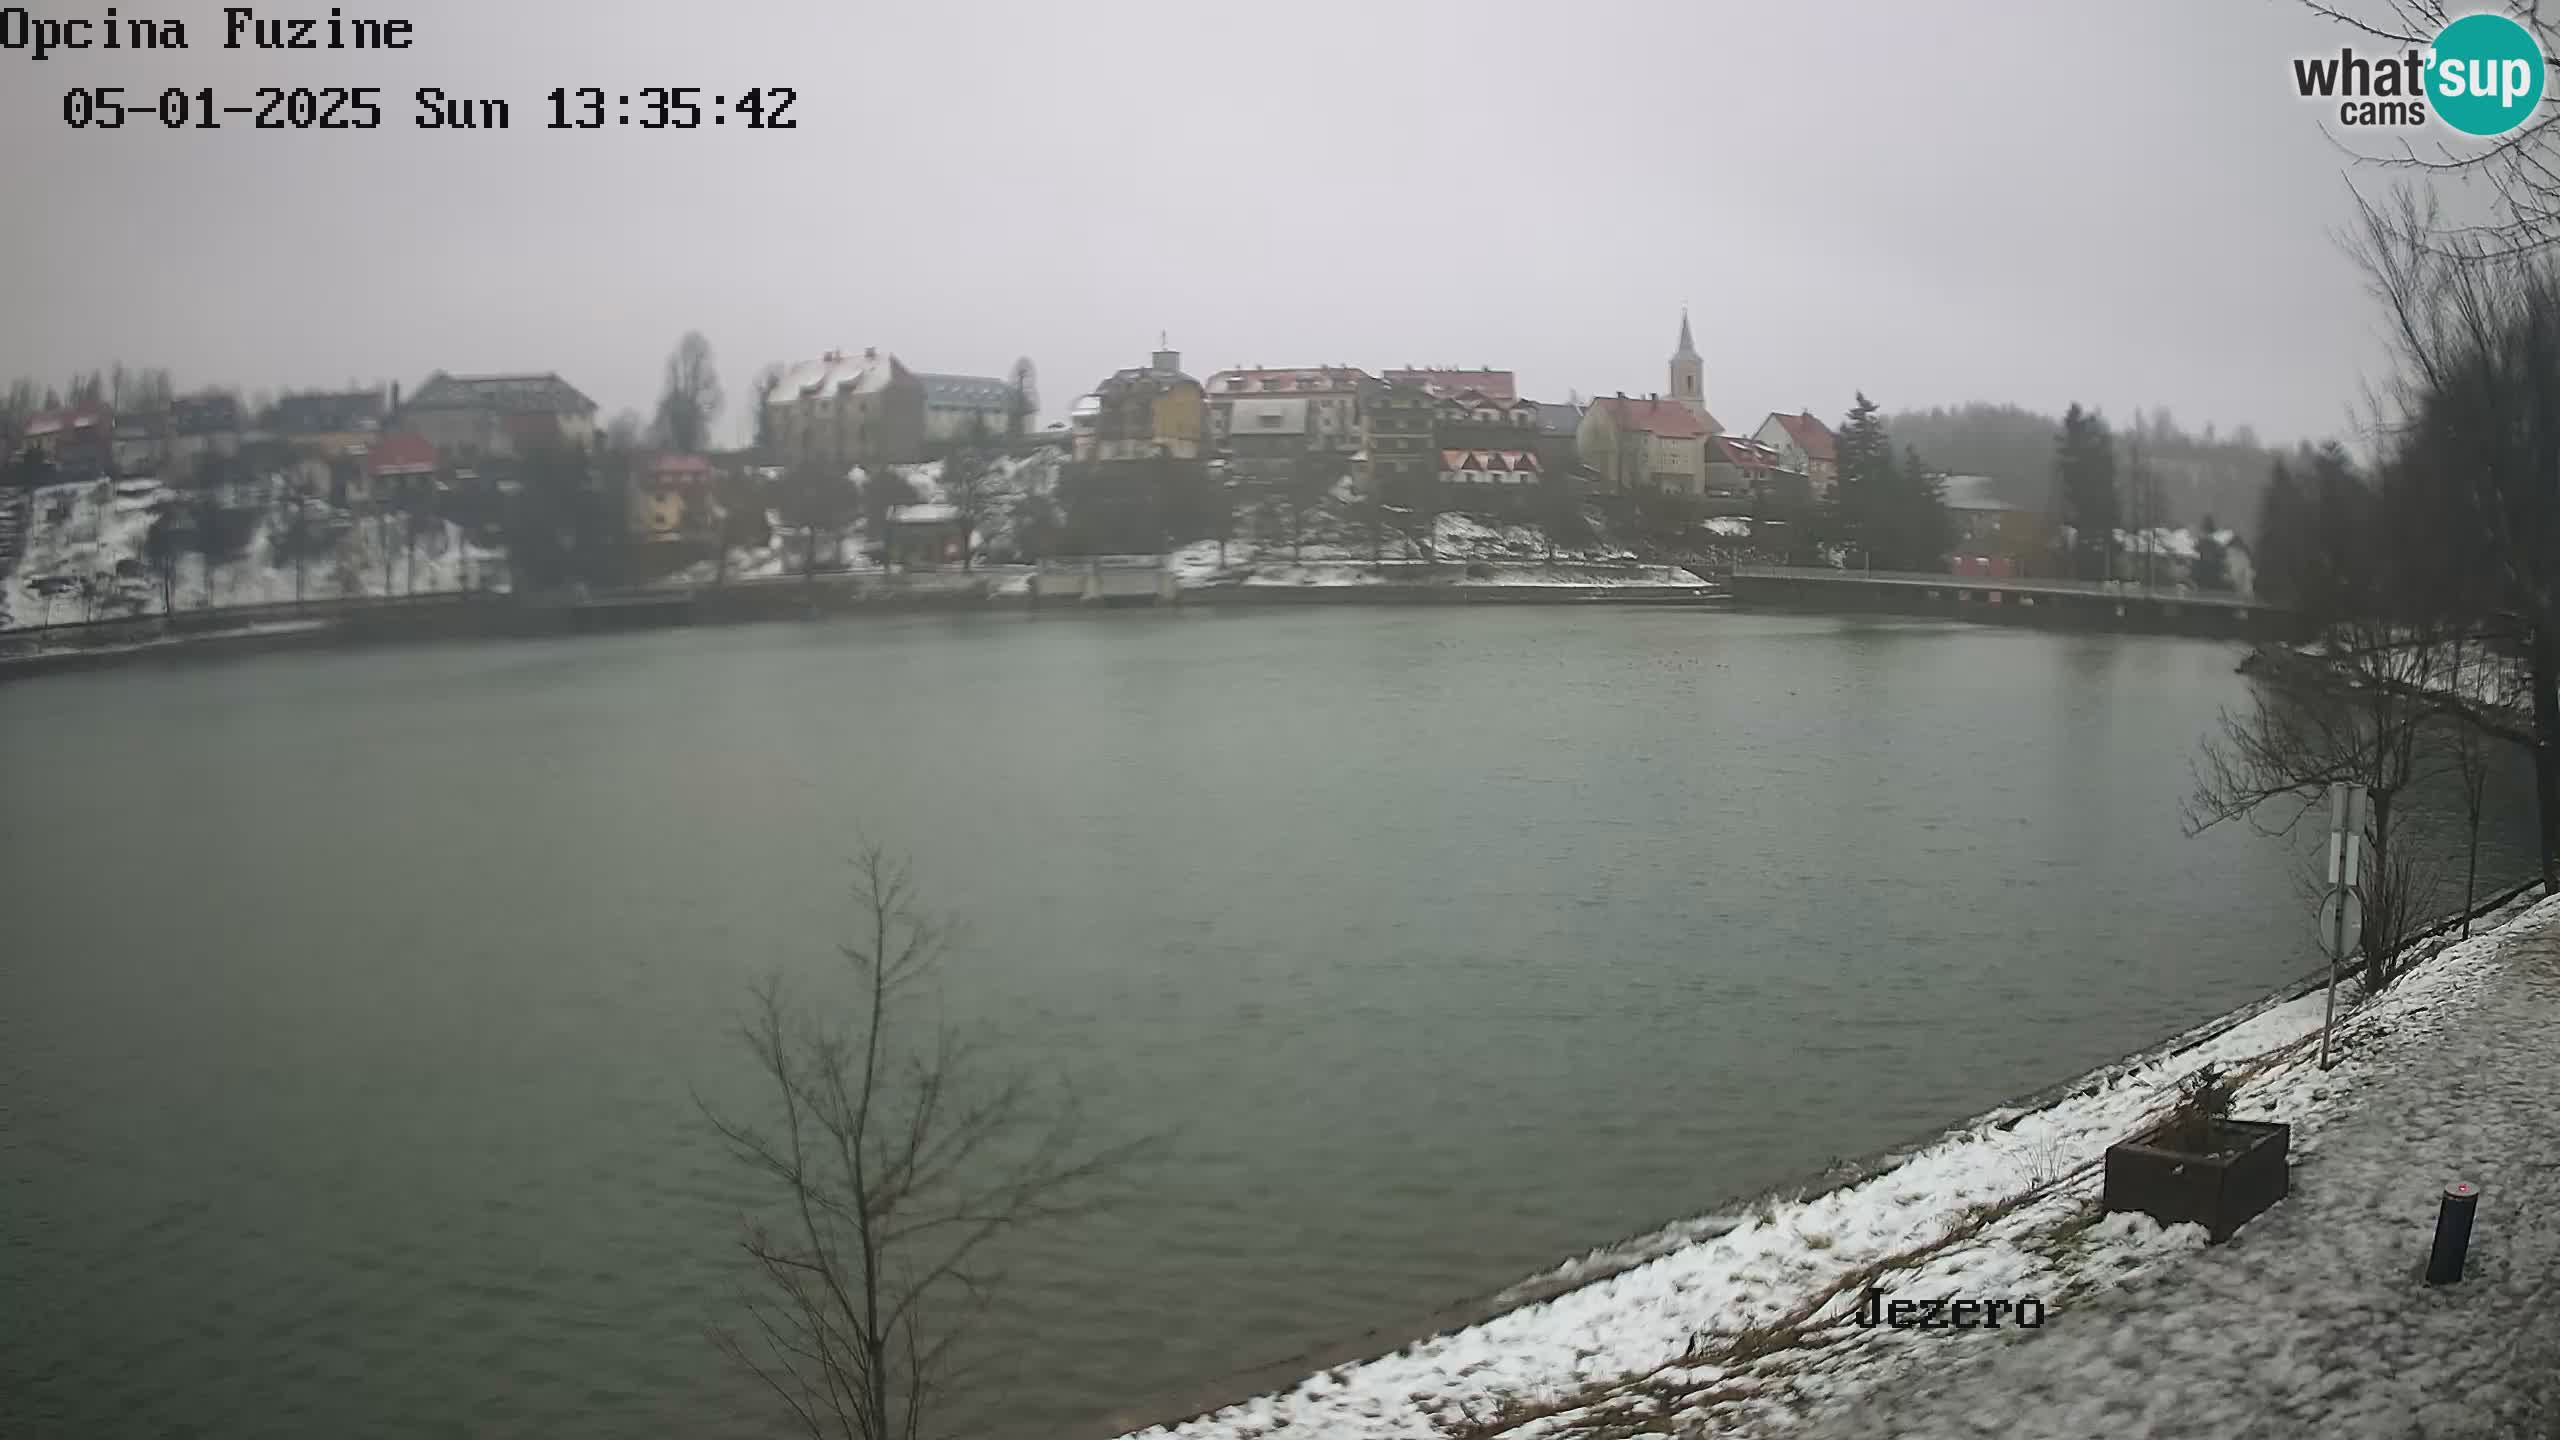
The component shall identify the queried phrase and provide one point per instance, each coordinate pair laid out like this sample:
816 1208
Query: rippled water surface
353 1007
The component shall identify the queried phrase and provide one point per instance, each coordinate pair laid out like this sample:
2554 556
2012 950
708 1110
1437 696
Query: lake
354 1006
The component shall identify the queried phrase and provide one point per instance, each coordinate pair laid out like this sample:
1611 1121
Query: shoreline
337 624
1206 1408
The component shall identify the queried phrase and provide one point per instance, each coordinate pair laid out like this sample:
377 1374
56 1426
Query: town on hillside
125 498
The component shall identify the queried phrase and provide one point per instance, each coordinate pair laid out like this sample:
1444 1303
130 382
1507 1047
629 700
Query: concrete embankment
246 630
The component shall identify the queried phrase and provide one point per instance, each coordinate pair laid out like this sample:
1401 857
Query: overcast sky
2117 203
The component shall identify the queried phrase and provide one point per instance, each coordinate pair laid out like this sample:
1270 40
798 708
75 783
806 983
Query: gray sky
2120 203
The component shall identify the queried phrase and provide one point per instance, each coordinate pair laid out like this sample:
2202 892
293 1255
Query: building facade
1141 413
1397 449
1332 394
966 407
1644 444
1804 444
839 411
1740 466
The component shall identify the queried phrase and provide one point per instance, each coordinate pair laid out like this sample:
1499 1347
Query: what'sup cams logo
2482 76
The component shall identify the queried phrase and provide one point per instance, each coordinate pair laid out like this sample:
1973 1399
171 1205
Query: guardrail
2013 584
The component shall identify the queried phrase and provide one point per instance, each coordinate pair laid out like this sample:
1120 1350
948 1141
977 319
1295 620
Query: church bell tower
1688 372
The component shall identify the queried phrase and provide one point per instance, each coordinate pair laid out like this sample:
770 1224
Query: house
1990 536
499 416
670 498
141 445
963 407
1470 419
1648 444
1270 441
78 441
1496 384
1397 423
1489 467
1332 393
208 424
924 537
1142 413
1738 465
1804 445
328 424
841 410
395 465
1559 426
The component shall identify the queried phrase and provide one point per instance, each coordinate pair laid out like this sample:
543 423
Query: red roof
69 417
401 453
680 467
1497 384
1739 450
1811 436
1668 419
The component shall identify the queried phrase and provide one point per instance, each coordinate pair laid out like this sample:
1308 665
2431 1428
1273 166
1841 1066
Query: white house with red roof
1805 444
1739 465
1332 393
1489 467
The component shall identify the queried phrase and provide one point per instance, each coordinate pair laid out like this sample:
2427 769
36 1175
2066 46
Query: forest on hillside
2214 473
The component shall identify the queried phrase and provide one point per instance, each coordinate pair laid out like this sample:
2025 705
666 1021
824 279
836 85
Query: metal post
2453 1232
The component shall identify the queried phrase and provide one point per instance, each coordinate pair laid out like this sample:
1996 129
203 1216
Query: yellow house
1143 412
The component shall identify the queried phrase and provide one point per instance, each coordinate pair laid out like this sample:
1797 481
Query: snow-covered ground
1751 1330
1470 551
96 532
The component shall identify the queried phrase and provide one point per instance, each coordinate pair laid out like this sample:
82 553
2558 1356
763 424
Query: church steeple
1688 372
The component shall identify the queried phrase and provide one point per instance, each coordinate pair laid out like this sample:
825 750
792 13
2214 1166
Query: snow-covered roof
929 514
839 373
1973 492
2178 544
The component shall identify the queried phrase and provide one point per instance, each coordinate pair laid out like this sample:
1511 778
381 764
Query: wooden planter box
2221 1191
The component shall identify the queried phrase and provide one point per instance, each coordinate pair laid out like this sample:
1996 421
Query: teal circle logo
2485 75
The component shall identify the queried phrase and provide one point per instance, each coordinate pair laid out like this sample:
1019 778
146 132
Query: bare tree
969 484
2479 340
2520 172
2356 718
690 400
767 381
897 1168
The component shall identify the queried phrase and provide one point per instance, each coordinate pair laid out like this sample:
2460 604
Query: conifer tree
2084 472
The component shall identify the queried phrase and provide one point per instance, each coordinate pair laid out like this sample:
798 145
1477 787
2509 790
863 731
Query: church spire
1688 371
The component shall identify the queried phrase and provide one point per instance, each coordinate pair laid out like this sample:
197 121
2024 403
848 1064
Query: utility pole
2342 909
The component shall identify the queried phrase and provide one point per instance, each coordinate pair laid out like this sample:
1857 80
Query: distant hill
2209 474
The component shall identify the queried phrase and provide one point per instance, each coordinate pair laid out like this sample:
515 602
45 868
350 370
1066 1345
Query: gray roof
506 394
1559 419
323 413
966 391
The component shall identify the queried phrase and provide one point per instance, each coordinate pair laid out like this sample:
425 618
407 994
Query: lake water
353 1006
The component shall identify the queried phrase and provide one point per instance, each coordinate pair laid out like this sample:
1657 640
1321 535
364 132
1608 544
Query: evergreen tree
1921 534
2084 472
1867 481
2212 569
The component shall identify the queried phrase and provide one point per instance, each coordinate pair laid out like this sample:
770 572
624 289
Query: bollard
2453 1232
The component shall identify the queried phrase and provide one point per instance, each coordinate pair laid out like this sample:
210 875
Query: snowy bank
1746 1328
